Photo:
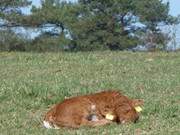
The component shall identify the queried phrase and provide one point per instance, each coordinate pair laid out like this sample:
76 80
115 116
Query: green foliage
13 3
95 24
48 43
98 26
102 24
152 12
9 41
10 8
9 12
50 12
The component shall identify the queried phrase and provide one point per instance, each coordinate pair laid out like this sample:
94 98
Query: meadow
31 82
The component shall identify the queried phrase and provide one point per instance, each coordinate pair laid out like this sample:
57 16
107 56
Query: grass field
30 83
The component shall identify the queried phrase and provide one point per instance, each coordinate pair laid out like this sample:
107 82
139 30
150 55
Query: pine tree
98 24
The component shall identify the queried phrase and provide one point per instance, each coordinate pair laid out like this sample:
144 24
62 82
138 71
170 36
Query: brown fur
74 112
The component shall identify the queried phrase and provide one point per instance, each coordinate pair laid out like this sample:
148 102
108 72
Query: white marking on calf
47 124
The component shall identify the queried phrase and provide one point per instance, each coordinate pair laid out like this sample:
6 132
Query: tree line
86 25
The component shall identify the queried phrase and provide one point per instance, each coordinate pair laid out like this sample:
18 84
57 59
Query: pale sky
174 7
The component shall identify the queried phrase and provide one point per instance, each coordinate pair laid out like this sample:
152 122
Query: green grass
31 82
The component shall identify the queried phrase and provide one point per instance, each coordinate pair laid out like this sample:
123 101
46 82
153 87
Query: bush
48 43
9 41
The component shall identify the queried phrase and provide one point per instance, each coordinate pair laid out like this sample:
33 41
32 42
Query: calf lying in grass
93 110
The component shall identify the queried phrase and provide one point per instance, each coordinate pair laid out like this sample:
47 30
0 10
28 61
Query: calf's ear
137 102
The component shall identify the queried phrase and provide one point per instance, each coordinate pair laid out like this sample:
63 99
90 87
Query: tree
108 24
9 41
101 24
51 12
10 9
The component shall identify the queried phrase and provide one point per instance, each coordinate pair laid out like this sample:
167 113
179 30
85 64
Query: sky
174 7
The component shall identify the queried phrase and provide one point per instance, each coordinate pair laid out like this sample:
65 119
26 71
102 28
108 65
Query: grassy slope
30 83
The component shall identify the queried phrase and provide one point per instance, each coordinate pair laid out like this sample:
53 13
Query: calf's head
127 111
